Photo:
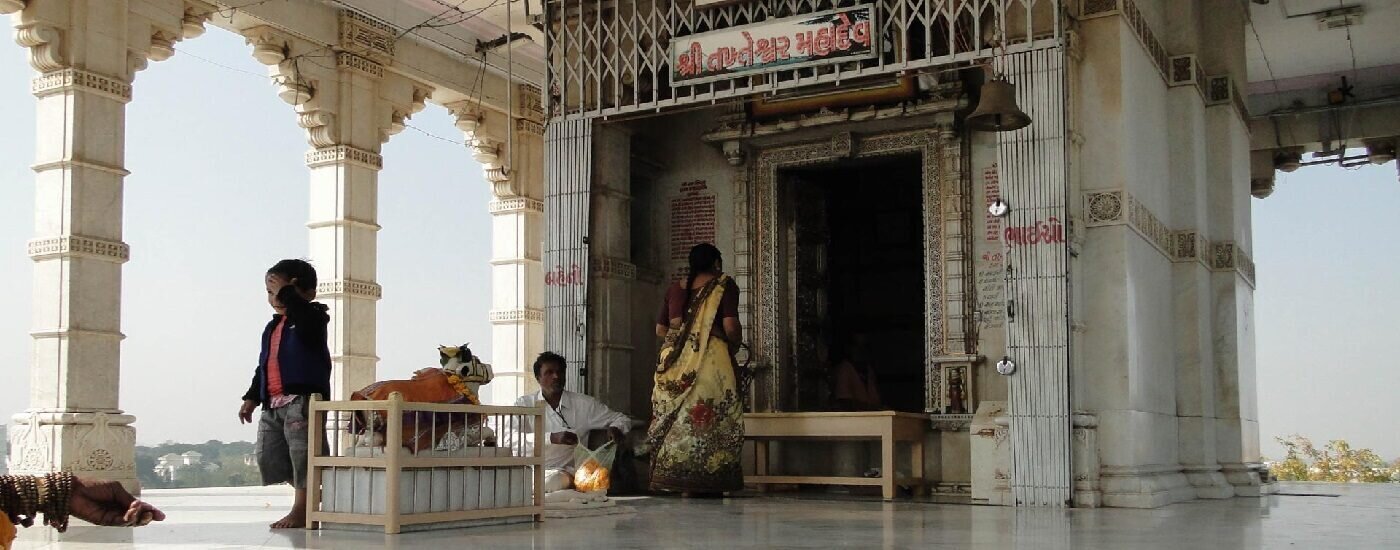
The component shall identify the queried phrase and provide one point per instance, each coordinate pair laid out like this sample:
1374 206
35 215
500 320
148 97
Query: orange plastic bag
594 471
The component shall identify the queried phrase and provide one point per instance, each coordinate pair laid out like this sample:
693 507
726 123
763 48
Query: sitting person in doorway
569 418
854 387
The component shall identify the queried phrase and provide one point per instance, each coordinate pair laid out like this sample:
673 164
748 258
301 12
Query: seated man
568 419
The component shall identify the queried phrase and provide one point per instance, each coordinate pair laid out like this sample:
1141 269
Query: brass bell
997 110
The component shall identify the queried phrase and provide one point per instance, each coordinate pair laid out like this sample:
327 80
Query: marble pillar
1195 365
1231 278
511 152
612 272
87 53
1125 376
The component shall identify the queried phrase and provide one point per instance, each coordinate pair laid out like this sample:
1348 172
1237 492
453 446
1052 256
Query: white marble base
1209 481
1144 486
97 445
1244 479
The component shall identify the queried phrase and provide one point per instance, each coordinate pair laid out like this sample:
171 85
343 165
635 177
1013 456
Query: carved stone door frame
945 228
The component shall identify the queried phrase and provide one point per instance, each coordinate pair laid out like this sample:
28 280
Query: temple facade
1069 302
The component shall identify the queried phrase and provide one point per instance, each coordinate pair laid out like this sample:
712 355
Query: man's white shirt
577 413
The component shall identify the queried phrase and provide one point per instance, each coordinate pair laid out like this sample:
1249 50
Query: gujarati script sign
827 37
692 222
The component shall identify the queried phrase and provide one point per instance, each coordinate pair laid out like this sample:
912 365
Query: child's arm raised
308 319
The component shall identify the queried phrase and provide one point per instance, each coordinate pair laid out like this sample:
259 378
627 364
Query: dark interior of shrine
855 241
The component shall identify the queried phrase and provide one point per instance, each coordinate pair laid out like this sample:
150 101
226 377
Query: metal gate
613 57
568 178
1037 280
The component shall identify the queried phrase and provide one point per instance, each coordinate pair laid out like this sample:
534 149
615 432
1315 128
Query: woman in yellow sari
697 428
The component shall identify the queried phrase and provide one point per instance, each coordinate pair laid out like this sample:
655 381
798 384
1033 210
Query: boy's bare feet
294 520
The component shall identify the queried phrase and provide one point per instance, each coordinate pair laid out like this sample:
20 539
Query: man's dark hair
549 357
300 270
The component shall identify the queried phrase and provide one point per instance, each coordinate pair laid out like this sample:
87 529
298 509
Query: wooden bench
887 427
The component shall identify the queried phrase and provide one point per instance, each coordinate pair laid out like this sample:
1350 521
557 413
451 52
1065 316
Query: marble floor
1302 516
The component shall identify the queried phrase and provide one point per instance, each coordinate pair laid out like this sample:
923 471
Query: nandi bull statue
456 381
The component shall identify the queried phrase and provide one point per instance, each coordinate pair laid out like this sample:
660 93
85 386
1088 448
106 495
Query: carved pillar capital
486 150
948 134
733 152
270 46
469 117
319 126
163 45
44 42
401 99
273 48
11 6
192 24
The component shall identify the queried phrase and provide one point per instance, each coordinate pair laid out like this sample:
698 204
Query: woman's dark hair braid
703 258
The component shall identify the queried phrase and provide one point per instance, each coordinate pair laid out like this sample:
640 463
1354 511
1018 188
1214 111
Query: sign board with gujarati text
834 36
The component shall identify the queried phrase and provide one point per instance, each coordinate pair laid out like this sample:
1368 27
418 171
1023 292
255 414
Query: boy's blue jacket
303 356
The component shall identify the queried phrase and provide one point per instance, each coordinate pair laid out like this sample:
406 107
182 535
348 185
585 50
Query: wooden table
887 427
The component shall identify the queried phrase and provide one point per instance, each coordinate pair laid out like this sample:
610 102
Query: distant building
170 466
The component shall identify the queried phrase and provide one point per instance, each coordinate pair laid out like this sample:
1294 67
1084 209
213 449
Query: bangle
19 498
42 487
60 495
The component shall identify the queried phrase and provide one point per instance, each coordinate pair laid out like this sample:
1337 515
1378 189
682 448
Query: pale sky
218 193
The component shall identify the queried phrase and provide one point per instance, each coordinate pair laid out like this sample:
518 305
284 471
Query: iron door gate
1037 280
568 179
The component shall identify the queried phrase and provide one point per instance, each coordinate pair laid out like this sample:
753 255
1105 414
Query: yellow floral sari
697 427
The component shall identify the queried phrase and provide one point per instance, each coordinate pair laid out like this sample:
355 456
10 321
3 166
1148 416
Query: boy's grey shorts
281 445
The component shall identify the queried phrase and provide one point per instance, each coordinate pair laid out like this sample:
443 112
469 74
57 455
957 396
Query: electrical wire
265 77
217 64
466 16
431 135
1350 45
437 21
231 10
1249 20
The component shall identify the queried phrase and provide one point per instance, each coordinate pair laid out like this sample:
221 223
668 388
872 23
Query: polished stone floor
1303 516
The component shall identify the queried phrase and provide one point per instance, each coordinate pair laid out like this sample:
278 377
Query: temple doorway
855 242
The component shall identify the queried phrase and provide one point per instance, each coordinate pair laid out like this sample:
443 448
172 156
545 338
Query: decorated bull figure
463 368
456 381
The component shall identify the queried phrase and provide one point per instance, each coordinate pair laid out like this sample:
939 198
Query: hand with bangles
61 494
107 503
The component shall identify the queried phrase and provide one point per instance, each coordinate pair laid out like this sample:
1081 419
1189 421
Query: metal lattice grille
568 182
610 57
1037 332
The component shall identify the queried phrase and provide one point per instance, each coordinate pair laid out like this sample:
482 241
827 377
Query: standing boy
295 363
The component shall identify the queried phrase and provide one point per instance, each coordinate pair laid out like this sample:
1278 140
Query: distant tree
236 473
1338 462
222 465
195 476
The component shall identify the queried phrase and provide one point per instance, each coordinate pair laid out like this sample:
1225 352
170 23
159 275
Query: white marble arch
372 79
